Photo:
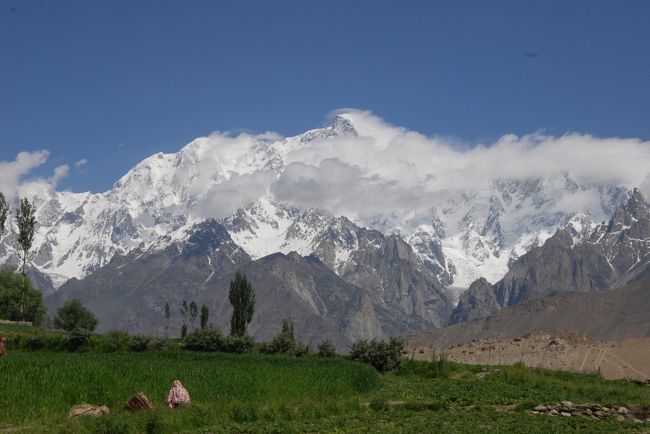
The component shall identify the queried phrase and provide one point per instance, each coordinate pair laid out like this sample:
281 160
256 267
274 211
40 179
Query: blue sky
113 82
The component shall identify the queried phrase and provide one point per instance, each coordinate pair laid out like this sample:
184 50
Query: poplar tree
205 313
194 311
242 298
26 221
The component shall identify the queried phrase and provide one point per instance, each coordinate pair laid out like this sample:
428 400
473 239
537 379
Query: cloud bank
384 169
388 168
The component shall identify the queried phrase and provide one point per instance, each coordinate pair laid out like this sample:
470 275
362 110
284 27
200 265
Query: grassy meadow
254 393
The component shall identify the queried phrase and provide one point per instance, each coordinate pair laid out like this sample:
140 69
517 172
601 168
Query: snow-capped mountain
464 234
613 254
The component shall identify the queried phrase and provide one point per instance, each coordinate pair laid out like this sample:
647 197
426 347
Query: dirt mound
560 350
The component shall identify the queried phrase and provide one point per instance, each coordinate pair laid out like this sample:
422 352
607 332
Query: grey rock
615 254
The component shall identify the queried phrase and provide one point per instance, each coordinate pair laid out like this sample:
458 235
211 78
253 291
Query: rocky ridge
615 253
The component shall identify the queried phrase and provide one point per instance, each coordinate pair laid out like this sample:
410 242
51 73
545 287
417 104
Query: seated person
177 395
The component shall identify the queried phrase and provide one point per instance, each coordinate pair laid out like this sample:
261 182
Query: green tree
285 342
327 348
4 209
74 315
168 315
205 314
194 311
26 220
242 299
184 310
12 291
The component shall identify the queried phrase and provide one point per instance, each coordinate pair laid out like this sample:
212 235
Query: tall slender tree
184 310
194 311
4 209
242 298
26 221
168 314
205 314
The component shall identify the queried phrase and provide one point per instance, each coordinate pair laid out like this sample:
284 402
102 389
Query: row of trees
186 310
21 302
241 297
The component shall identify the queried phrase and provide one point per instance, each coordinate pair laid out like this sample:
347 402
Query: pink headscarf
177 395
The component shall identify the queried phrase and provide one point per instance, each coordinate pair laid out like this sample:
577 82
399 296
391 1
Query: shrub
438 367
326 348
207 339
238 344
78 340
211 339
138 344
74 315
301 350
116 341
285 342
156 344
19 301
383 356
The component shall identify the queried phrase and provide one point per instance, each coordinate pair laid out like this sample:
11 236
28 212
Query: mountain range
177 226
613 254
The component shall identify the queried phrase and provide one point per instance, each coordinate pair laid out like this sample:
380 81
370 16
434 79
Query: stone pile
592 411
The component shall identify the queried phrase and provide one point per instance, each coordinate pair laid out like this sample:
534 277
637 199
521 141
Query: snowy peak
614 254
629 214
343 126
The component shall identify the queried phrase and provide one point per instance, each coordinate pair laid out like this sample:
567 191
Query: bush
285 343
156 344
383 356
74 315
78 340
138 344
116 341
16 290
438 367
211 339
327 348
238 344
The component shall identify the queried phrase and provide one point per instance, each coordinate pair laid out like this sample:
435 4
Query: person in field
177 395
3 347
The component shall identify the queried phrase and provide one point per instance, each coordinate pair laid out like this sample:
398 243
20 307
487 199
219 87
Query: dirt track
567 351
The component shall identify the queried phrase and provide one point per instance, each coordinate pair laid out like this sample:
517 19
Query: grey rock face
616 253
401 285
406 291
477 302
303 289
130 292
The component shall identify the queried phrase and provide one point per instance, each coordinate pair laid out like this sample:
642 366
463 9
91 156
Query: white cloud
383 170
391 168
81 163
225 198
60 172
12 172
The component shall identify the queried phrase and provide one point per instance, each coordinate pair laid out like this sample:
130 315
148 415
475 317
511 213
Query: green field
254 393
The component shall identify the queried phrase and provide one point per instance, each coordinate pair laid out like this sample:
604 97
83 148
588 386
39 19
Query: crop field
256 393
